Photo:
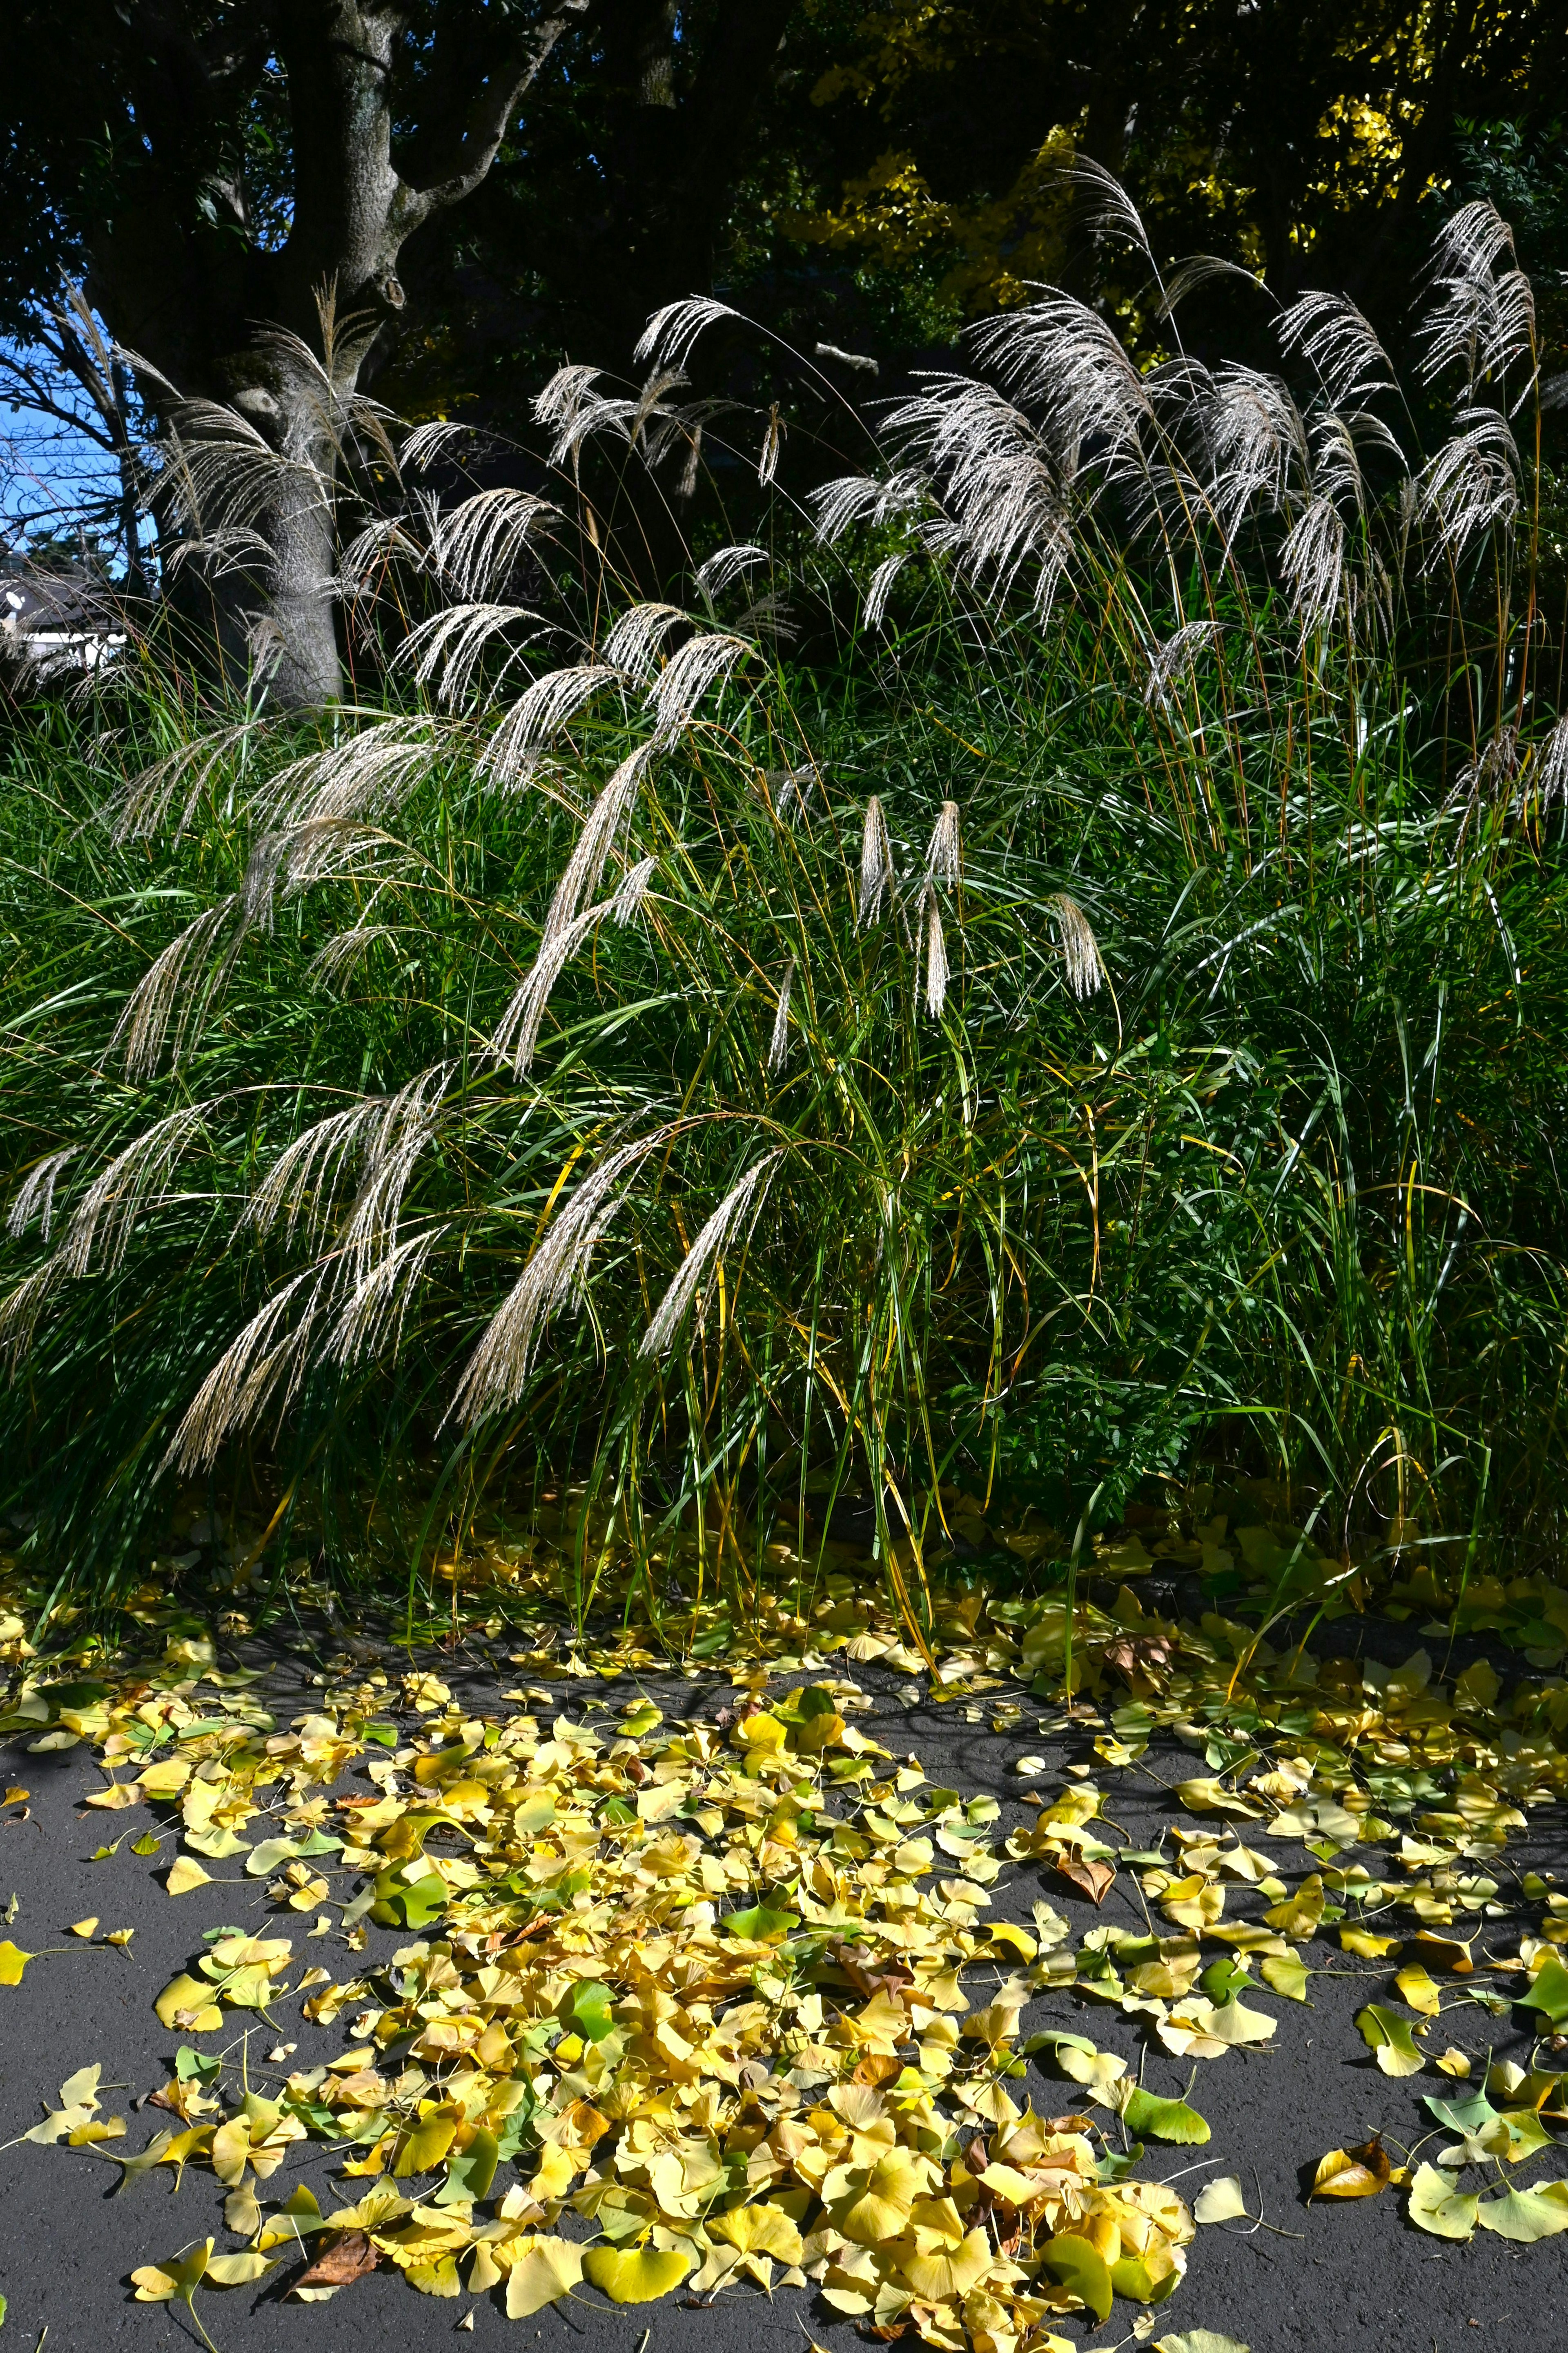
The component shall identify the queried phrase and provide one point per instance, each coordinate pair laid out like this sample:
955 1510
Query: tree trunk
301 623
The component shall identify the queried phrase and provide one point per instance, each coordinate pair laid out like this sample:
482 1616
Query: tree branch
489 114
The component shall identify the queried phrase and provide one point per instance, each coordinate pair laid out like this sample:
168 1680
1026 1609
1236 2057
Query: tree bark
188 295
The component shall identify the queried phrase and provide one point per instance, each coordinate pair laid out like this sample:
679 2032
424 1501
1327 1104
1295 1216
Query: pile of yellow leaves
699 1984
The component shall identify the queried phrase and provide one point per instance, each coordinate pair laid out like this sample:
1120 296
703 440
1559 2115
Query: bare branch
489 115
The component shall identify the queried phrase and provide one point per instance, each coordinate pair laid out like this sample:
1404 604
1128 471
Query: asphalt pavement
1346 2278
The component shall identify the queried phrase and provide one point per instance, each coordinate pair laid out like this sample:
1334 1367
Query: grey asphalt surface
1356 2278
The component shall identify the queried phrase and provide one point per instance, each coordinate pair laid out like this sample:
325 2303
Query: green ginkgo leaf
1170 2120
1438 2205
1526 2215
639 2277
1389 2038
1549 1993
589 2009
1076 2265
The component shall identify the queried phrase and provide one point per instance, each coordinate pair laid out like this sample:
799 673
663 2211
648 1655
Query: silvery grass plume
449 646
369 773
778 1044
877 876
851 499
726 565
880 587
702 662
175 989
1551 767
336 957
245 1375
371 1324
670 335
773 442
303 1185
1349 361
942 851
1496 764
997 485
541 714
706 1247
477 545
516 1038
1083 969
1481 320
397 1142
1259 453
635 643
1065 362
1174 660
553 1276
603 821
938 971
142 803
37 1193
1470 483
1312 561
130 1186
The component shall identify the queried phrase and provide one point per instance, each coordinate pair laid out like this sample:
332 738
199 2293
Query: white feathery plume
1258 444
370 771
941 855
20 1310
408 1126
1080 950
725 564
706 1247
1313 560
120 1193
477 544
880 587
1471 482
144 801
627 901
778 1045
877 876
1350 361
701 662
242 1380
553 1275
1481 320
768 463
668 337
539 715
634 643
333 960
169 991
564 393
863 498
427 444
937 968
371 1324
1174 659
516 1038
456 640
36 1192
1551 766
601 824
304 1180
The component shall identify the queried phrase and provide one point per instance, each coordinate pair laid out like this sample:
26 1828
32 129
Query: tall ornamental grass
1040 974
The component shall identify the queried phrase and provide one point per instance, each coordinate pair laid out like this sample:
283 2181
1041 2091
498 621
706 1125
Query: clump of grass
1093 1017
